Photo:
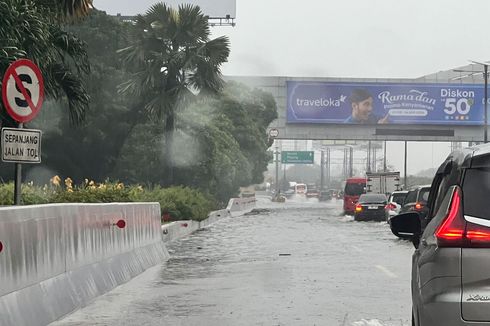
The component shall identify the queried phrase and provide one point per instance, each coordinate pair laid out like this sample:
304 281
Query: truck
353 188
383 182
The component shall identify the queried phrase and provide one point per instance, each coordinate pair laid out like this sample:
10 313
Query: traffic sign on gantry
23 90
297 157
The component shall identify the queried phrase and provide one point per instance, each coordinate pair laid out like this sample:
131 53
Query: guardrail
56 258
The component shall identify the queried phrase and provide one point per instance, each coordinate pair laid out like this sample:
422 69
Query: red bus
354 188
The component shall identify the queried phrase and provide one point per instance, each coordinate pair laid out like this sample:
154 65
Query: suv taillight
390 206
455 231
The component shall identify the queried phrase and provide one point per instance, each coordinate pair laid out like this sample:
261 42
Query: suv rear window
411 197
424 195
354 189
476 188
398 198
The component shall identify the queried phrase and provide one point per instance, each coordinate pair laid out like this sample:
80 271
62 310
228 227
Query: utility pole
384 158
328 166
375 158
277 170
284 176
351 162
322 167
405 169
368 167
485 72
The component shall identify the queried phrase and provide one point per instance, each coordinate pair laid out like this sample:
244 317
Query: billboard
211 8
385 103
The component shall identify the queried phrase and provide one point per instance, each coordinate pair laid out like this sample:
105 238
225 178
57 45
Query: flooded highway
297 263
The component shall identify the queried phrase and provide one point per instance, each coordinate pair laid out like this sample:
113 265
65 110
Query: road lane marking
356 248
386 271
365 322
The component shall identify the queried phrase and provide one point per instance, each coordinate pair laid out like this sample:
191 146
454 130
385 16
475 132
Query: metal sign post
22 96
18 179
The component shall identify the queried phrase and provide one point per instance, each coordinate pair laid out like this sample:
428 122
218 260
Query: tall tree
172 57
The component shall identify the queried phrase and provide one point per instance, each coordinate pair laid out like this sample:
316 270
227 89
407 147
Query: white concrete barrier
180 229
238 206
56 258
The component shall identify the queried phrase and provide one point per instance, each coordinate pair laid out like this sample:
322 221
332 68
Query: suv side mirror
407 226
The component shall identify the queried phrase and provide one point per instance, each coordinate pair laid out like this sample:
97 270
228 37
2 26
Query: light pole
405 180
277 170
322 168
384 157
485 77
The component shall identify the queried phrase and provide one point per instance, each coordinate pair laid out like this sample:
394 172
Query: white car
395 203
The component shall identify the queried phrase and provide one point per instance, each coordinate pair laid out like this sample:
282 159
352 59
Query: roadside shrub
181 203
7 194
31 195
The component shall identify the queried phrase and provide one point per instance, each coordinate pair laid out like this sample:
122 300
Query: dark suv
451 263
416 200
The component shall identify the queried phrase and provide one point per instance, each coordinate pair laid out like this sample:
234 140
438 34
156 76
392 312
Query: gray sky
352 38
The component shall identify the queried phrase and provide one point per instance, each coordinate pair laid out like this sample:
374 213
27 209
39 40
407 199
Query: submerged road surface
299 263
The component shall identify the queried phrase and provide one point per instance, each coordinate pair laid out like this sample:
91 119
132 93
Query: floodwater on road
296 263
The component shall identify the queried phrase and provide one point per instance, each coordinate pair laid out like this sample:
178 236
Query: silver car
451 263
395 202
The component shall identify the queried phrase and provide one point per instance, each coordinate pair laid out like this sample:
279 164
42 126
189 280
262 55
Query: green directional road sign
297 157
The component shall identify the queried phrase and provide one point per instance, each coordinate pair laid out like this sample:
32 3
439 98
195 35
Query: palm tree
172 58
30 30
67 9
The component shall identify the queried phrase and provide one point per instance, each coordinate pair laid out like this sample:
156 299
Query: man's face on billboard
362 110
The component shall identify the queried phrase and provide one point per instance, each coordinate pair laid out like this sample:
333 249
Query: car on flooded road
451 263
371 207
395 202
312 191
416 200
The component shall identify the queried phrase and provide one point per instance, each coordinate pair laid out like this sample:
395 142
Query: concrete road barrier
180 229
238 206
56 258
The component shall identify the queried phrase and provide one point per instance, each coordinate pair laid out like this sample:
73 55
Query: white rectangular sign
211 8
21 145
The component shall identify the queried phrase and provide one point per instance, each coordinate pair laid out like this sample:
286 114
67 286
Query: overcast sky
352 38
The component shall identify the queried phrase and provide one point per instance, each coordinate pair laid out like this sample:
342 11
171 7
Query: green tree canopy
171 57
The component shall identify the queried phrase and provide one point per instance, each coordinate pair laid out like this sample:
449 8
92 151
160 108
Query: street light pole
485 137
384 157
405 180
322 169
277 170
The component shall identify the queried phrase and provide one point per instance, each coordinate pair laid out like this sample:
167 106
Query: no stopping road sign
23 90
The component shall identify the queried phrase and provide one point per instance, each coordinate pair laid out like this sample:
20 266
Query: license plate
372 207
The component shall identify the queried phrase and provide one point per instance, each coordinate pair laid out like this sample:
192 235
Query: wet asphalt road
298 264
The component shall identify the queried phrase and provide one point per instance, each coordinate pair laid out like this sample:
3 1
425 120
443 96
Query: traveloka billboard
385 103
